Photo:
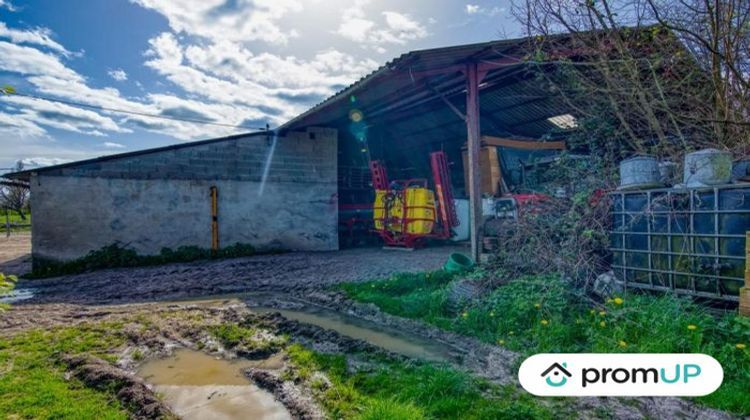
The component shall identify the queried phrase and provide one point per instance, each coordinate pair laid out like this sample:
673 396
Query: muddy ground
291 280
184 325
280 272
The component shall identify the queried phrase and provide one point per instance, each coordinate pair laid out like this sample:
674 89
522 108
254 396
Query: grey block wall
151 201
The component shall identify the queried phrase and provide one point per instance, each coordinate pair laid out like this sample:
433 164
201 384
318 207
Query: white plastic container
462 230
707 167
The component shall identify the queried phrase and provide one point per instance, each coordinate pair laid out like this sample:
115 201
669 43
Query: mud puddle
198 386
17 295
353 327
360 329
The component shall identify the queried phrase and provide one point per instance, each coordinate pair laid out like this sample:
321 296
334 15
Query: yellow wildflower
618 301
622 343
592 312
741 346
545 322
537 305
692 327
602 324
602 313
501 342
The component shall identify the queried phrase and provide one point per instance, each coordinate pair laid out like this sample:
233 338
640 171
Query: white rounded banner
620 374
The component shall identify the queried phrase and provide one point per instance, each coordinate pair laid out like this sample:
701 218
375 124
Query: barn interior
417 104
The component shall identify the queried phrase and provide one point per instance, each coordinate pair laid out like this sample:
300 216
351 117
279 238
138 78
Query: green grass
540 314
15 219
397 390
32 384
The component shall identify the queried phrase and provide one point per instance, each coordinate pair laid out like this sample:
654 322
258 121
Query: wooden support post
473 78
214 219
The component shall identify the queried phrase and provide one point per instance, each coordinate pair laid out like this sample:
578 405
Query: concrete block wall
156 200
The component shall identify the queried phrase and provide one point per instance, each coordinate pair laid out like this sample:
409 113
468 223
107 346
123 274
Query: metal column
473 78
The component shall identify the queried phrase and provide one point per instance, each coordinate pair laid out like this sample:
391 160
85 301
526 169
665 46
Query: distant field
17 223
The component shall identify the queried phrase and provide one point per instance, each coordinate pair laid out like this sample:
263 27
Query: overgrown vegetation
33 383
566 234
397 390
115 255
538 314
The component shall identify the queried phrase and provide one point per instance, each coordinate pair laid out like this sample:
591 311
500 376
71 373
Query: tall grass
398 390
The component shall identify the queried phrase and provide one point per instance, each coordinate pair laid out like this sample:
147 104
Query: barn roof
410 94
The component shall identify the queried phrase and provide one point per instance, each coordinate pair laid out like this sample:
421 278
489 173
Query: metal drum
639 172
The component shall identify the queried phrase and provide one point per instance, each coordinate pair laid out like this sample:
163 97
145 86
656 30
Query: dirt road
284 272
15 253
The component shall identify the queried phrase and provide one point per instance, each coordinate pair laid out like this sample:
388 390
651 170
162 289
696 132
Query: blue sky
234 62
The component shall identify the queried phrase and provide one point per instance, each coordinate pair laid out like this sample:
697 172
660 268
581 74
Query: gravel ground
283 272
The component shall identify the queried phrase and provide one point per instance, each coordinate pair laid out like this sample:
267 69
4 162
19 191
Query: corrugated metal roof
408 84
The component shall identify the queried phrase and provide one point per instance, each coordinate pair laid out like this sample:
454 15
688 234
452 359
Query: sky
239 64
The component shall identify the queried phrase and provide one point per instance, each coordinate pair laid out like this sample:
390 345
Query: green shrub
115 255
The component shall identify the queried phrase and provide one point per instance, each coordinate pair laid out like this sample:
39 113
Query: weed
406 390
232 335
116 255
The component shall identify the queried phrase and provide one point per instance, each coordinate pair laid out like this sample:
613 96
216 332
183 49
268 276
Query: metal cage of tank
690 241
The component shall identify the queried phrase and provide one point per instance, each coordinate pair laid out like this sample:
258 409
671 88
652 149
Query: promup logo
557 374
621 374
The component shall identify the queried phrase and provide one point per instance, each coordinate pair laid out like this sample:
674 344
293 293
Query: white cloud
29 60
112 145
118 74
19 127
239 21
228 73
36 162
396 28
475 9
61 116
37 36
7 5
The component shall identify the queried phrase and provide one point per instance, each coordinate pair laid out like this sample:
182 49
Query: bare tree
15 197
650 76
717 33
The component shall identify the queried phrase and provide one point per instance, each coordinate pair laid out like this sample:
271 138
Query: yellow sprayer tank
420 210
